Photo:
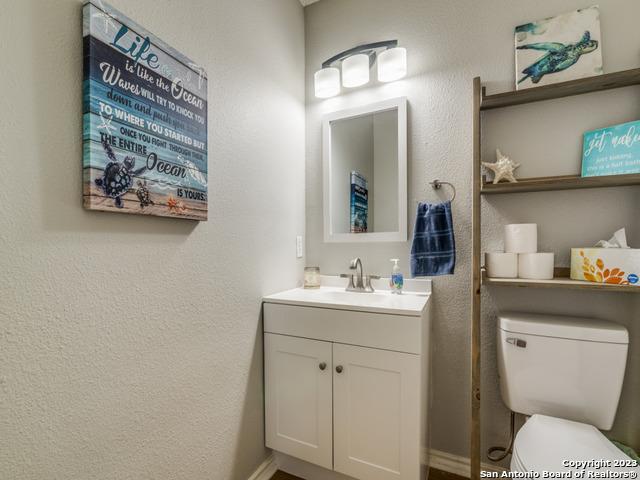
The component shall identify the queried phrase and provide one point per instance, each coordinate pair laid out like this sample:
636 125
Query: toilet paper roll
501 265
521 238
536 266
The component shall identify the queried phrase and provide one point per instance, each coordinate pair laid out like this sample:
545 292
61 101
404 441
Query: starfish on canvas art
106 124
503 168
202 74
106 17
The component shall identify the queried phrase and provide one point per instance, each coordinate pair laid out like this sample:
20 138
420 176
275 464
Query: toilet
566 374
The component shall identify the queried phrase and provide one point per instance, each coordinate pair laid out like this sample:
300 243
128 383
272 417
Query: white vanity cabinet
298 397
376 411
347 390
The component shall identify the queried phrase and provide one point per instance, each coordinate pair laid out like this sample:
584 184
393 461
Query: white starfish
202 74
107 17
503 168
106 124
166 71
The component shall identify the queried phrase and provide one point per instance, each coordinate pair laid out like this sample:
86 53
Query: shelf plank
561 280
598 83
567 182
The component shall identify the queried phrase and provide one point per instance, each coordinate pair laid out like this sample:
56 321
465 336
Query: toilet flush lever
517 342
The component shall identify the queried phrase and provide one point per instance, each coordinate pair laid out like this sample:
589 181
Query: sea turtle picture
558 57
143 194
557 49
117 177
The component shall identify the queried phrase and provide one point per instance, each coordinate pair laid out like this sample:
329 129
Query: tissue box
617 266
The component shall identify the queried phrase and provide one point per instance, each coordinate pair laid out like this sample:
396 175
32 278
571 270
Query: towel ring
437 185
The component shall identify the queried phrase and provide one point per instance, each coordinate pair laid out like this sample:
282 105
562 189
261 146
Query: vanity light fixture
327 82
392 64
355 70
356 64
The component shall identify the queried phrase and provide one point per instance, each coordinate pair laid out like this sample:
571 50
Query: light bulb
355 70
327 82
392 64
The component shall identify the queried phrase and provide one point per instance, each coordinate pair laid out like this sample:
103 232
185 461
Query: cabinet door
298 387
376 400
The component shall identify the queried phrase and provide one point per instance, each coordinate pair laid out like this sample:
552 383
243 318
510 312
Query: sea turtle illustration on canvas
559 56
117 177
143 194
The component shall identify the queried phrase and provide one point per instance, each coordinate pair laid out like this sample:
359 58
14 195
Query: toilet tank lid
560 326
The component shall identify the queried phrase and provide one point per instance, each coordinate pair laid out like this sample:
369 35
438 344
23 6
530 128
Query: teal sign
612 150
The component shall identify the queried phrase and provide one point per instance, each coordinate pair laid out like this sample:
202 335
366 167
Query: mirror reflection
364 173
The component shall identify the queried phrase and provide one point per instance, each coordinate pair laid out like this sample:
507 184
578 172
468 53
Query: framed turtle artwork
558 49
144 121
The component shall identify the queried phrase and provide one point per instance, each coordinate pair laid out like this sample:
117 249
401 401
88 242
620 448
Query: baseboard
461 466
444 461
266 470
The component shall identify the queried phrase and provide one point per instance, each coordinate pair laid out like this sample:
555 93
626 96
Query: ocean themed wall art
559 49
359 203
144 121
612 150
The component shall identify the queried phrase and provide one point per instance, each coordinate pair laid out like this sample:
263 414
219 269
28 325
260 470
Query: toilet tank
560 366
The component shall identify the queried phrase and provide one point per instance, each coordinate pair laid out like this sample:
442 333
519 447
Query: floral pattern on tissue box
614 266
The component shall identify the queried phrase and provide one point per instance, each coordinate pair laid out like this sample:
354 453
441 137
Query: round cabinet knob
322 366
339 369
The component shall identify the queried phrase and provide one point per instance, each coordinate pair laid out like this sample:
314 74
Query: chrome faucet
355 263
358 282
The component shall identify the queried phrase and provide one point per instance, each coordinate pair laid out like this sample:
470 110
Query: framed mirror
364 152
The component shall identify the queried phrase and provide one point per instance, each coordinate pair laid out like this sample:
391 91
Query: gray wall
449 43
130 347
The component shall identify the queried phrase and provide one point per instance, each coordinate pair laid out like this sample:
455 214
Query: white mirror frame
400 104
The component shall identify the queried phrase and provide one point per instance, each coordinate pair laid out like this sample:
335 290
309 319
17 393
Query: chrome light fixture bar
356 63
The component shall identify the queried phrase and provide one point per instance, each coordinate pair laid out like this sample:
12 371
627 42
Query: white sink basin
408 303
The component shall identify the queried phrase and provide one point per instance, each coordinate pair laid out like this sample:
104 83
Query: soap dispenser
397 280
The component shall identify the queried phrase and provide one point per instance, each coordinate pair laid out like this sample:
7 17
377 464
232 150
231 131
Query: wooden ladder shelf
483 102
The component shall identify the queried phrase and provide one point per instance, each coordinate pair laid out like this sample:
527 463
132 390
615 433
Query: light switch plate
299 246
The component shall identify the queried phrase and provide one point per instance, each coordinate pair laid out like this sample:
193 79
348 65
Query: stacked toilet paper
520 258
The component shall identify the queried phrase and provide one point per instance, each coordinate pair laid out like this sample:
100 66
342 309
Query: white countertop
412 303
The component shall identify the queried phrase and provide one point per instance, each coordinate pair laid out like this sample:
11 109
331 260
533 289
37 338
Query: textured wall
448 44
130 347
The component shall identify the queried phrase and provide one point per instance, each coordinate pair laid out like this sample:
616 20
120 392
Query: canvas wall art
612 150
144 121
559 49
359 203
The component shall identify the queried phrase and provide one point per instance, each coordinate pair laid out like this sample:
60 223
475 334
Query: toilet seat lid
547 443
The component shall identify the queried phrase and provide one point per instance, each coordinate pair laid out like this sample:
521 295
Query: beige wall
130 347
448 44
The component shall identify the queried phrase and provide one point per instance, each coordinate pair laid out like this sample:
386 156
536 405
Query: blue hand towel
433 251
